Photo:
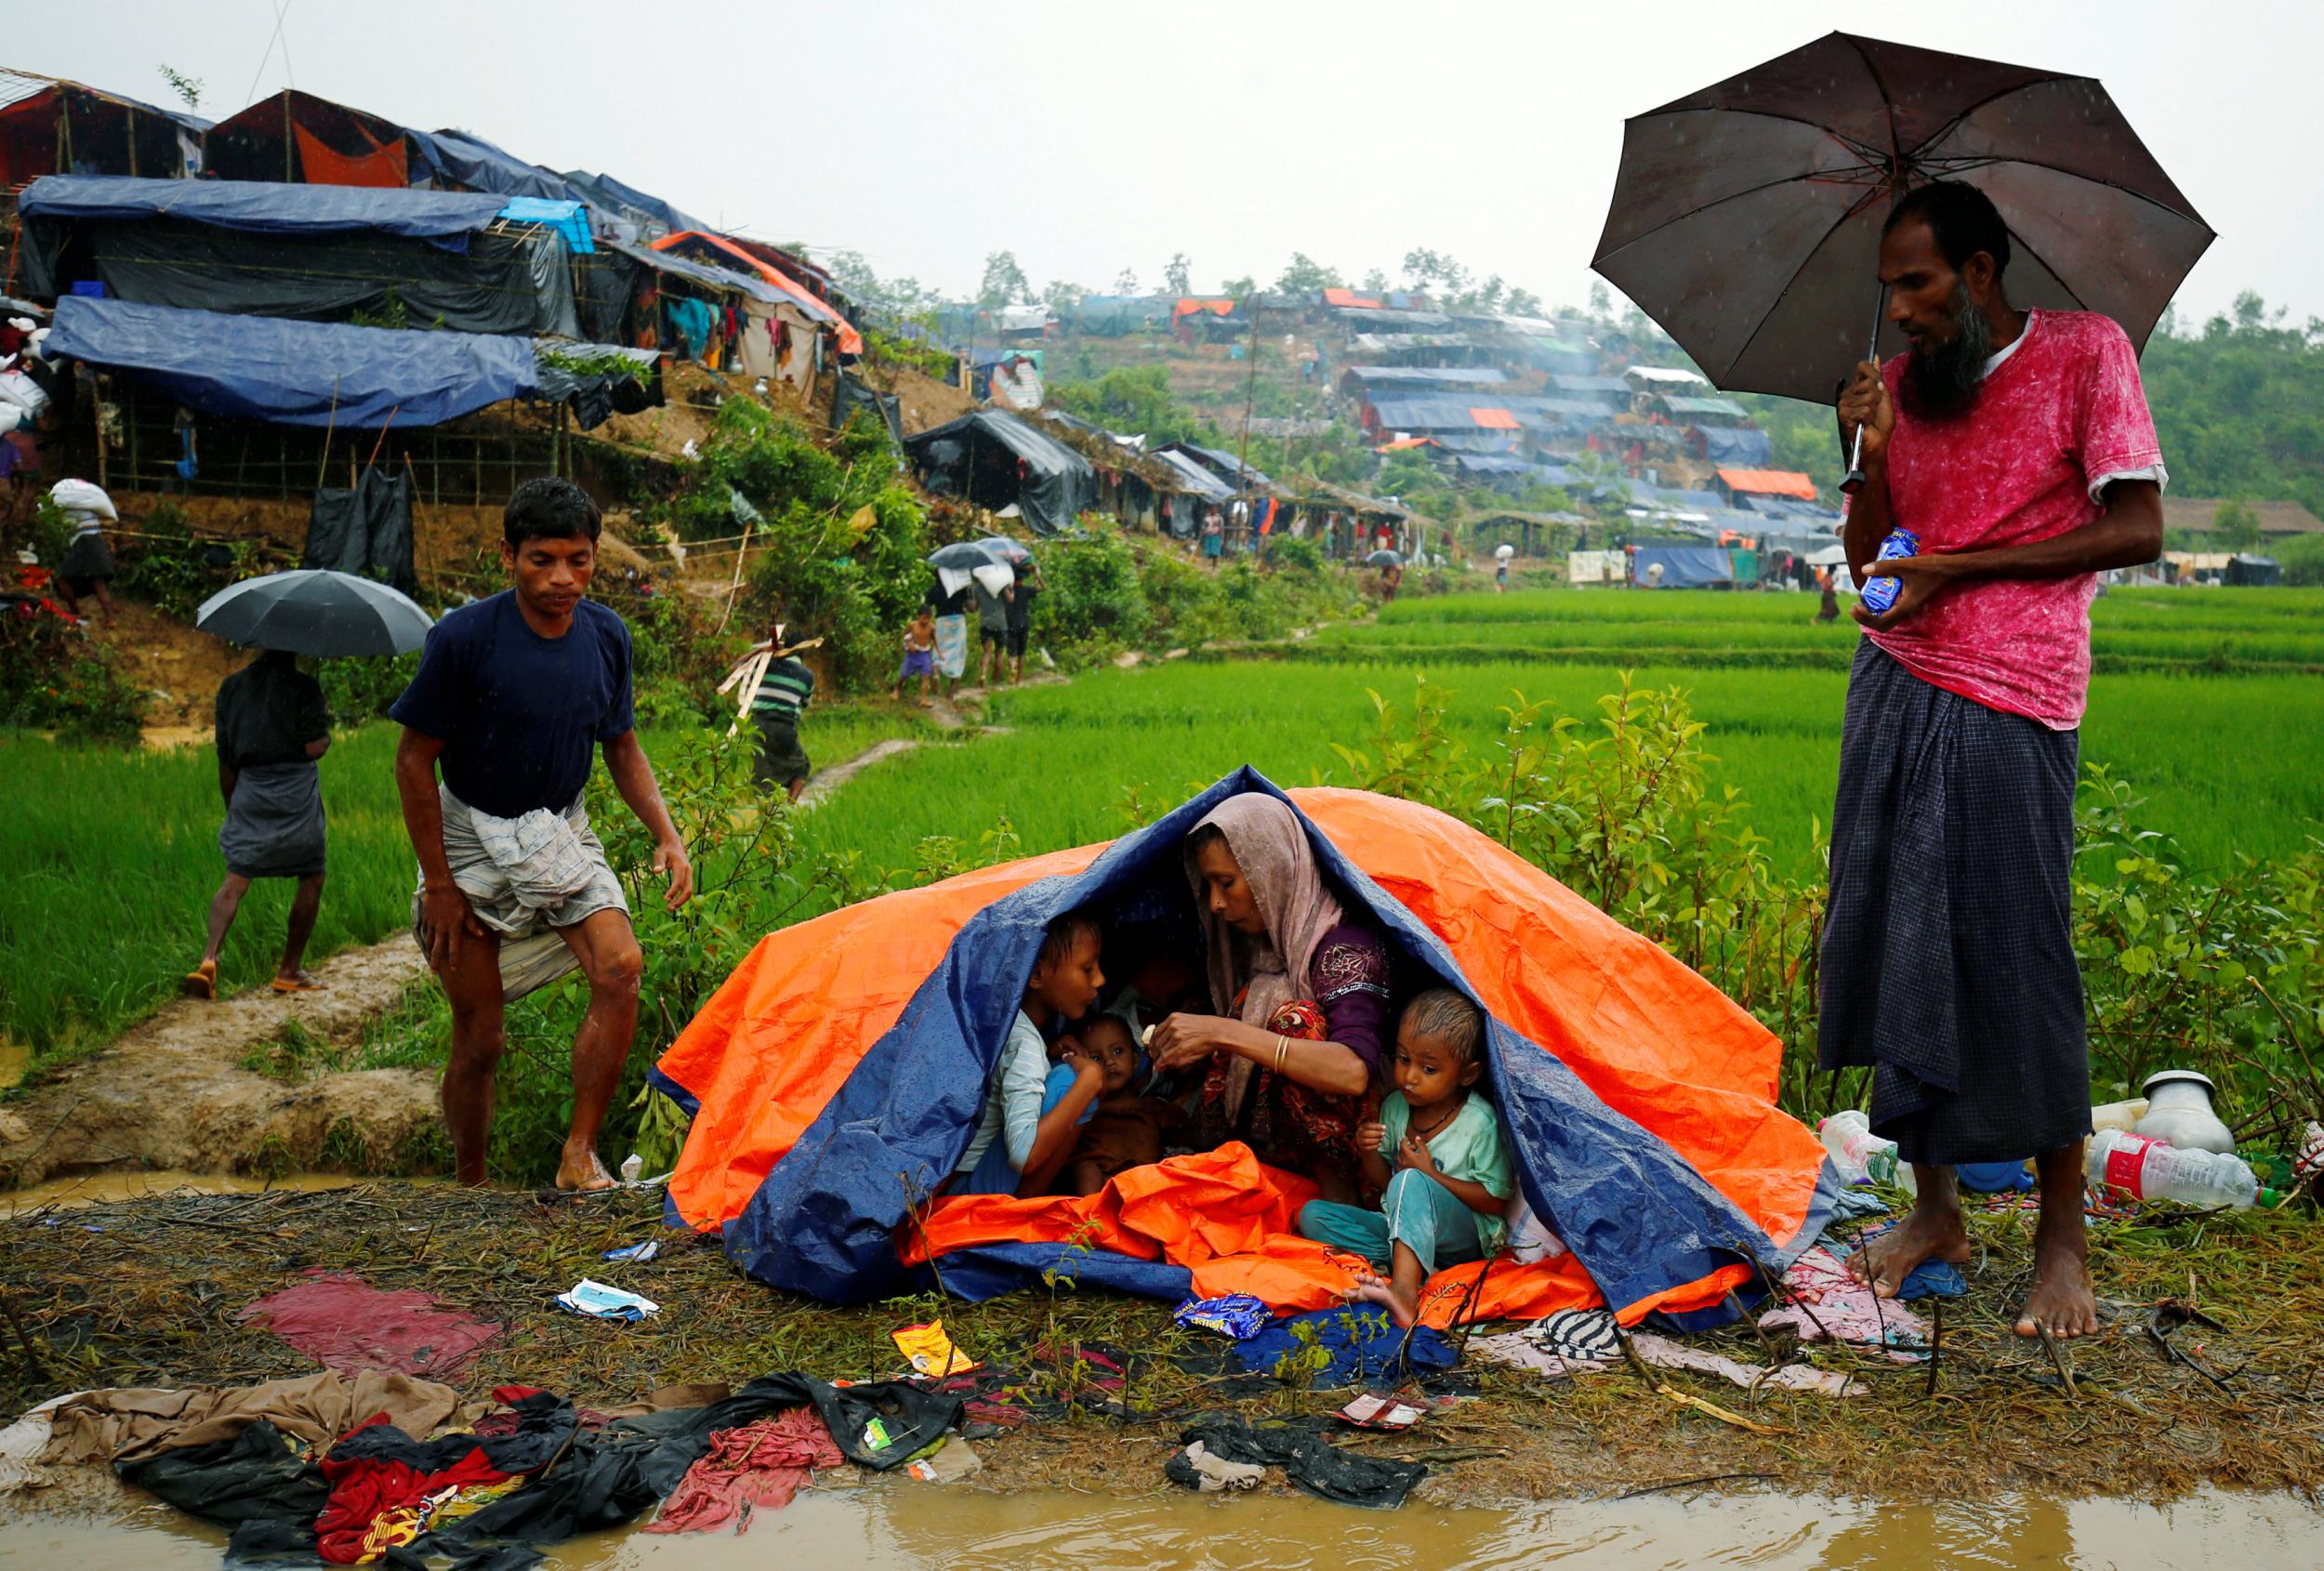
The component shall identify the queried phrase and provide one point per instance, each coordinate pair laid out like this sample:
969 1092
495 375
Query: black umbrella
1384 558
312 612
1747 216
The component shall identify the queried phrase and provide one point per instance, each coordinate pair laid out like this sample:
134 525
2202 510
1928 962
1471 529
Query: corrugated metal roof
1424 376
1568 381
1682 405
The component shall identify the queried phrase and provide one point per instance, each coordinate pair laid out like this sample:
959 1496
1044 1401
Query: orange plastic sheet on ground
1650 1038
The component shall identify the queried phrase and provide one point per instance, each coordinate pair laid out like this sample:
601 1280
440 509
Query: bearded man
2017 446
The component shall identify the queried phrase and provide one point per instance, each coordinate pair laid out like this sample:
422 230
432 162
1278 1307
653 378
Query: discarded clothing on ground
1021 1385
133 1423
1827 1302
1586 1349
1930 1279
1572 1341
492 1501
1362 1343
1215 1475
1306 1457
342 1322
1662 1353
757 1467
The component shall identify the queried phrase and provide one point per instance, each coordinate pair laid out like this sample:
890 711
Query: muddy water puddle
911 1526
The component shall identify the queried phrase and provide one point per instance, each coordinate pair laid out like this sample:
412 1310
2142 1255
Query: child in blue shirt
1436 1155
1018 1142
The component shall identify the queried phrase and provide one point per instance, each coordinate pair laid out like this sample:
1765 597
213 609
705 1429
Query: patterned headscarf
1280 871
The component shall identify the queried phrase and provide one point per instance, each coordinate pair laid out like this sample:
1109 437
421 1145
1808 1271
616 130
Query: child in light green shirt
1437 1155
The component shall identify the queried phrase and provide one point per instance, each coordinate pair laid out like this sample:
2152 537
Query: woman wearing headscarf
1293 1054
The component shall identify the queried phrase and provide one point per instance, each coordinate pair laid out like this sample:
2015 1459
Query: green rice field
113 856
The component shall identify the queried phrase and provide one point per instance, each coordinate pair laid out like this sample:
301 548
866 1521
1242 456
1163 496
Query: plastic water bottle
1859 1153
1881 593
2147 1168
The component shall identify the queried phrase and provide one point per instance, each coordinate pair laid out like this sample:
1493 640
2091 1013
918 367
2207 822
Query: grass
2222 761
114 859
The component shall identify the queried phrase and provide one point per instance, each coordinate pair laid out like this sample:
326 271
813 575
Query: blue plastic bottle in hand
1881 593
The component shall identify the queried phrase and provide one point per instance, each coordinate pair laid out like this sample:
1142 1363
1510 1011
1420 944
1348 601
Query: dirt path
947 716
171 1091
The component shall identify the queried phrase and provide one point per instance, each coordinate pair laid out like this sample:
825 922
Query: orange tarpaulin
1189 306
851 341
1494 419
383 166
1351 298
1770 483
1649 1038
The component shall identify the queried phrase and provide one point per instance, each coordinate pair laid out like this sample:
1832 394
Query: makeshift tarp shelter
50 126
295 373
468 162
884 407
992 458
295 136
1683 567
320 253
836 1078
2255 570
717 251
366 530
641 211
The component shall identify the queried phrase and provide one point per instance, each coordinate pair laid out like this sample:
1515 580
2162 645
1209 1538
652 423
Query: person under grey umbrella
272 730
2012 453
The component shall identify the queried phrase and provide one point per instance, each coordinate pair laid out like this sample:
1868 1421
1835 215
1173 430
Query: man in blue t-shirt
513 696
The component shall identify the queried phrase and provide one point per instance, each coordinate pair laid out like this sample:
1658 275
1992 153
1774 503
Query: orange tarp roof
1350 297
1402 443
851 341
1189 306
1770 483
1651 1039
1494 419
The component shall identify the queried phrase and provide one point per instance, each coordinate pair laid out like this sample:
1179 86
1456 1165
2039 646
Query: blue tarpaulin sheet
567 219
823 1222
476 164
262 207
296 373
626 201
1683 567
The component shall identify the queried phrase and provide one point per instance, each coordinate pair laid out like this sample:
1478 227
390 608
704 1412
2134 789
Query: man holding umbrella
2016 447
514 695
272 729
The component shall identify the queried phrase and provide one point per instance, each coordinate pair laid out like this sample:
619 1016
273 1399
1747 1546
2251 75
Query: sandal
300 984
201 982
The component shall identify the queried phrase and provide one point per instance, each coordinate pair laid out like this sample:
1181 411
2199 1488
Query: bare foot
581 1172
1927 1234
2061 1302
1371 1289
201 982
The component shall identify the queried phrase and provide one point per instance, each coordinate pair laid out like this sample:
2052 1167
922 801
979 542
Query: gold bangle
1283 1049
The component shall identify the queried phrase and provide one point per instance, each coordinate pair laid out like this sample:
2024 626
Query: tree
1601 302
1004 281
1061 297
1427 271
1522 302
1240 288
2235 527
186 87
1304 276
1177 277
1376 283
1126 282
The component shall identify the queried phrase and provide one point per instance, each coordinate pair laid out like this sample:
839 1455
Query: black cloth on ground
268 712
1948 959
1306 1457
256 1476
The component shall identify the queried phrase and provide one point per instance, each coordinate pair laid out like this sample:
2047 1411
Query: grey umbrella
1746 218
1014 552
312 612
964 556
1384 558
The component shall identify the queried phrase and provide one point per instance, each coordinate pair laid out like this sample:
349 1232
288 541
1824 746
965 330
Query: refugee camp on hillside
1605 849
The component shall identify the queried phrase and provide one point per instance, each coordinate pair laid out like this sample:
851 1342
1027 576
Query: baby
1124 1130
1436 1155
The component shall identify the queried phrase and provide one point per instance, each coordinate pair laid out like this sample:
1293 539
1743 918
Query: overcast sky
1091 137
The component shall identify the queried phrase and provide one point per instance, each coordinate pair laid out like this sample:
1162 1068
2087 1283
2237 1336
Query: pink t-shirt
2063 413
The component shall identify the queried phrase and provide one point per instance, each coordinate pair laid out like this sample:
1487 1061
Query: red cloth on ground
760 1465
376 1505
342 1322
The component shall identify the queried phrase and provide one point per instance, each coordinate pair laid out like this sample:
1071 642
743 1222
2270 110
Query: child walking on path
1020 1144
1436 1155
919 655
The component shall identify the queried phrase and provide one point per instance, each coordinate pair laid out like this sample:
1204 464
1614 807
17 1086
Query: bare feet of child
1369 1288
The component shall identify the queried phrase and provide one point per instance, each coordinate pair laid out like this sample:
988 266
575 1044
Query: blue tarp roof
1568 381
1440 413
568 218
1638 1217
472 161
1683 567
1199 481
262 207
626 201
296 373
